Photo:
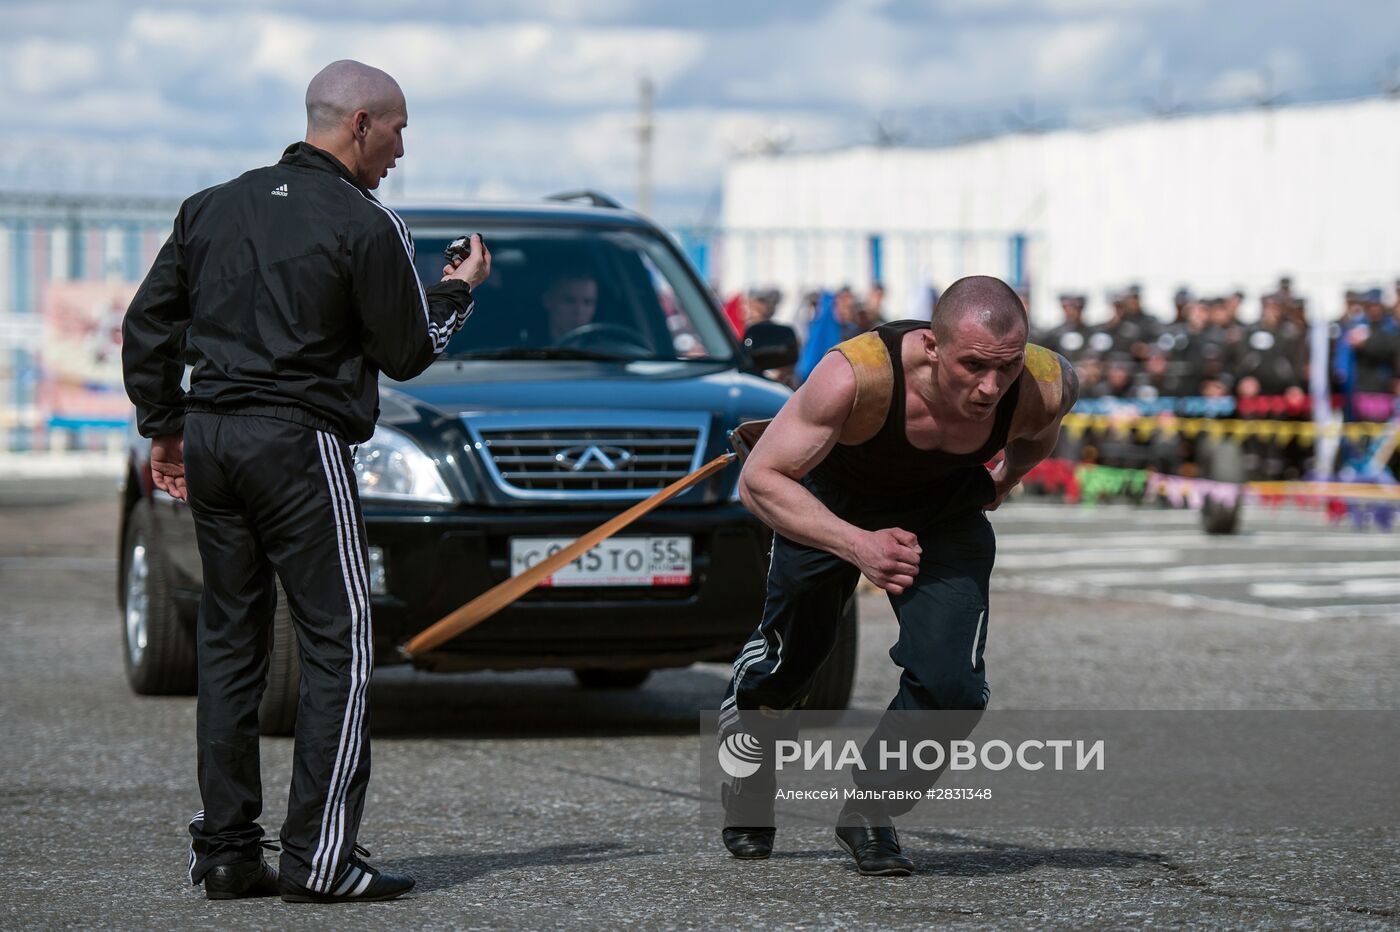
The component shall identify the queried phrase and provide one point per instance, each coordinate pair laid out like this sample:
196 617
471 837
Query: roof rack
593 197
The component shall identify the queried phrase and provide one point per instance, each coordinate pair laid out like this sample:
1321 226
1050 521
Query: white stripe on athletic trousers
319 857
360 685
324 840
758 642
728 709
198 817
348 752
437 337
752 650
361 647
976 635
323 860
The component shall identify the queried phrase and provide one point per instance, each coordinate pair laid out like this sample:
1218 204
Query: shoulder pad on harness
1042 386
870 360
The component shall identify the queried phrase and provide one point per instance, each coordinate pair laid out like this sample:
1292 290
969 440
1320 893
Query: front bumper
434 563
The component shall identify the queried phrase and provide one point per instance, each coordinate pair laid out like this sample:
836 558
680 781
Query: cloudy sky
518 99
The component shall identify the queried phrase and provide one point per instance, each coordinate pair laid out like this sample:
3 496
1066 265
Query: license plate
617 561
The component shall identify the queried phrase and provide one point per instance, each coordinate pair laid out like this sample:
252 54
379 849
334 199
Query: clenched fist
888 558
473 269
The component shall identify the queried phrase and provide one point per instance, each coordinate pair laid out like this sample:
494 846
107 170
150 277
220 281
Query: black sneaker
241 880
875 847
356 883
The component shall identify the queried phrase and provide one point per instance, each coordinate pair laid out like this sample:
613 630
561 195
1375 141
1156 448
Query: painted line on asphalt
1083 559
1010 539
1226 572
58 563
1384 614
1351 588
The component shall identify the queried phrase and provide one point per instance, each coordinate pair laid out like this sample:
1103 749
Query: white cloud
1074 56
1062 8
853 59
523 98
550 63
43 66
1281 70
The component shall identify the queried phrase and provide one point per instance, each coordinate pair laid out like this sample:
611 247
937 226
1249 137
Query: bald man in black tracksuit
290 289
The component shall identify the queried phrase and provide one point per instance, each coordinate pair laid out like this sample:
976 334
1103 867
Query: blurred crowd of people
1202 349
1205 350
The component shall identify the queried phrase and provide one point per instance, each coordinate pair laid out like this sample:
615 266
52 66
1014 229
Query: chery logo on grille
606 459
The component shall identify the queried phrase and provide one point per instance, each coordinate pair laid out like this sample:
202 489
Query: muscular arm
799 438
1023 453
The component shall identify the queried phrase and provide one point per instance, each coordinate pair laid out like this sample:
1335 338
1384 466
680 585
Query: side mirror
772 346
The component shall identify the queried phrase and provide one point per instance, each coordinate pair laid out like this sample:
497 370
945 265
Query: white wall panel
1214 202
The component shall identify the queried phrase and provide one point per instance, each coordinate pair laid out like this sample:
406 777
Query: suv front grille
608 461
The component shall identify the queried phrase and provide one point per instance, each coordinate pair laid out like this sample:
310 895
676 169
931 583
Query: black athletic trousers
942 633
273 497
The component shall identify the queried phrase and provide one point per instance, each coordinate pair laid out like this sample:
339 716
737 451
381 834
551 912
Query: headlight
392 467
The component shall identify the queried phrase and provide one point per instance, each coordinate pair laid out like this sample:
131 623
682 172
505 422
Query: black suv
595 369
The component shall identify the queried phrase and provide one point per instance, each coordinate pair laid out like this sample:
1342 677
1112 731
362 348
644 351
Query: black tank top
887 475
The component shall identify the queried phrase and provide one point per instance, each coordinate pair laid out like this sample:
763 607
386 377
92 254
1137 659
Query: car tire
611 679
1217 517
835 679
277 713
157 643
1227 464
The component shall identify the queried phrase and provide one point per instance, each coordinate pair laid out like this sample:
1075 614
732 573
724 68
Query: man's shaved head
345 86
984 300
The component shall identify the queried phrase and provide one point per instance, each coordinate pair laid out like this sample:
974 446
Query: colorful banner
1169 426
1186 407
80 365
1365 503
1366 406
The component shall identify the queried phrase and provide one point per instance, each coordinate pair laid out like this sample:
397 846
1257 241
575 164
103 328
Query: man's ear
359 124
931 346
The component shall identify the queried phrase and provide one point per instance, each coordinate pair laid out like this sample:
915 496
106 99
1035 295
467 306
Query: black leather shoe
244 879
875 847
749 844
356 883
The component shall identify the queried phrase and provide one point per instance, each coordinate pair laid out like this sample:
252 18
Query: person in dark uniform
1071 338
875 467
1272 353
1131 328
290 289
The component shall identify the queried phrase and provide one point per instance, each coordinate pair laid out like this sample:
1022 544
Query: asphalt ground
520 801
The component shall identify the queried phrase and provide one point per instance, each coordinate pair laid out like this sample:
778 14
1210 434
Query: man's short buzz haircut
344 86
988 301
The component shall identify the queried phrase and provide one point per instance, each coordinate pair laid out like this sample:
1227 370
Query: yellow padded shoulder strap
1042 385
870 360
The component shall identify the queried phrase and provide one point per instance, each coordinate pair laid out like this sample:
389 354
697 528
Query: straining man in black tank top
876 467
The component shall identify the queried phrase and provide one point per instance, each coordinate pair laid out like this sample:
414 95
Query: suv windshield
580 294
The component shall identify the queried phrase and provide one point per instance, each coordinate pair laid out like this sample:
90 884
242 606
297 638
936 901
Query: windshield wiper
540 352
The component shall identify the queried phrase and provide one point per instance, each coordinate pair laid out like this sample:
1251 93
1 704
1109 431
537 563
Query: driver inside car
571 302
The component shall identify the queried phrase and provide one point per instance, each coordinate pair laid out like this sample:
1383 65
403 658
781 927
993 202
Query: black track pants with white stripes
942 638
273 497
942 622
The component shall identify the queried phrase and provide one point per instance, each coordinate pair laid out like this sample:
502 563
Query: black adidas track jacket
293 288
